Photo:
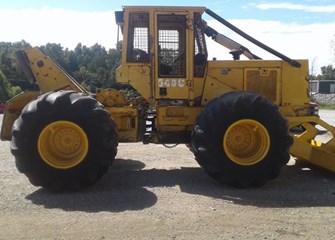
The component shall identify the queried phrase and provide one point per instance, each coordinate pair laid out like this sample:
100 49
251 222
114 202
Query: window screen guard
172 45
138 38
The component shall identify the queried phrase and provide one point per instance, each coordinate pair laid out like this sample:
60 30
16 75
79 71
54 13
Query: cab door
136 59
171 73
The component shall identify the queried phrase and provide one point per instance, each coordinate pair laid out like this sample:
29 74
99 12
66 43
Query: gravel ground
152 192
325 99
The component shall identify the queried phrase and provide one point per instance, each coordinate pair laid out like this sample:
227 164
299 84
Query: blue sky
300 29
300 11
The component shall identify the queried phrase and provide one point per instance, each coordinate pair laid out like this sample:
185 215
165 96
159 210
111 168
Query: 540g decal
171 82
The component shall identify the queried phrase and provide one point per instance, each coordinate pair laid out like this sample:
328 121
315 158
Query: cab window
138 38
172 45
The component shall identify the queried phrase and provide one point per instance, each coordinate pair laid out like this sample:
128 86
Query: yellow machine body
277 80
176 81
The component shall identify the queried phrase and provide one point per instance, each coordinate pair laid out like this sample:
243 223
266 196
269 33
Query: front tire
64 141
241 139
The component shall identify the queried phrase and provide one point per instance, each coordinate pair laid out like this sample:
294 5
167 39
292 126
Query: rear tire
241 139
64 141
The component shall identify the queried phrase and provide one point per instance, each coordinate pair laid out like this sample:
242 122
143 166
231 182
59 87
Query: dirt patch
152 192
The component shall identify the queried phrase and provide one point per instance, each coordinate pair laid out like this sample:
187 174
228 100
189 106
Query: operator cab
163 51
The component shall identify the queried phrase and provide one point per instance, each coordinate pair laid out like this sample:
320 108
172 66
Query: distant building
322 86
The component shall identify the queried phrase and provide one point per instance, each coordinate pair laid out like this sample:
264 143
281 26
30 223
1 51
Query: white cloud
66 27
301 7
38 27
297 41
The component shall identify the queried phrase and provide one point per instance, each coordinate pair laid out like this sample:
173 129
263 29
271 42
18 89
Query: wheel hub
246 142
62 144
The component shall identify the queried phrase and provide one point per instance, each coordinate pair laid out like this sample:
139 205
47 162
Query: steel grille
138 38
172 45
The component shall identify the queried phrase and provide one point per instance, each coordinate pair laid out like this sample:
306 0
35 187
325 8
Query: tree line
93 67
327 73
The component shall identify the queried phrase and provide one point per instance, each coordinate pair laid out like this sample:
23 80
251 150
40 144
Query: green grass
327 107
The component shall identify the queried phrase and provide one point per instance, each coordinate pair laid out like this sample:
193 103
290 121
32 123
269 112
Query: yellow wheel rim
62 144
246 142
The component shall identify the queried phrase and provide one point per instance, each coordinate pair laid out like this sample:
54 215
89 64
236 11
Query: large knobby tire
64 141
241 139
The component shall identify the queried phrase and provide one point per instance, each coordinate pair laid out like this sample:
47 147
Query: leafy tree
328 73
4 95
8 62
113 62
7 91
56 52
93 67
